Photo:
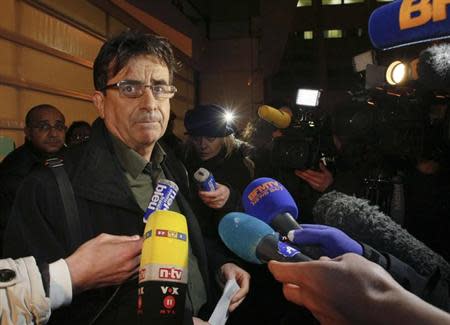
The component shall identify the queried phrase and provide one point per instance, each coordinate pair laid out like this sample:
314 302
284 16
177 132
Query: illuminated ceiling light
396 73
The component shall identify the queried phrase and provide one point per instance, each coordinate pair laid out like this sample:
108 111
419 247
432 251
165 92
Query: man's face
47 130
207 147
137 122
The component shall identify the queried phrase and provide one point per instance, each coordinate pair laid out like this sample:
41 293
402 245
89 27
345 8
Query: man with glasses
113 176
44 137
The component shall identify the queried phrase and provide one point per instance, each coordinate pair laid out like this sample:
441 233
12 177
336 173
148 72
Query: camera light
308 97
229 116
396 73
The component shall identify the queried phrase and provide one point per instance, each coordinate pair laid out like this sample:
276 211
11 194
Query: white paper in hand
220 313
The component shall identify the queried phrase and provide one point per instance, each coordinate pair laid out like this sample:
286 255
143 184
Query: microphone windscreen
279 118
434 67
265 198
401 23
163 272
367 224
242 233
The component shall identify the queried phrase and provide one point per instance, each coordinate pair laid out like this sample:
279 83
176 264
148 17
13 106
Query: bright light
229 116
396 73
308 97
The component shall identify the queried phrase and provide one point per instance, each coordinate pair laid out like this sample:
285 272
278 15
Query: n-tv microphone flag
407 22
163 272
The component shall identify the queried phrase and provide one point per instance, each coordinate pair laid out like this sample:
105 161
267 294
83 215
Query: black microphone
367 224
433 67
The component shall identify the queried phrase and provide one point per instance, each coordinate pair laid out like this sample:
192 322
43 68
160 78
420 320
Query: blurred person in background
44 138
78 132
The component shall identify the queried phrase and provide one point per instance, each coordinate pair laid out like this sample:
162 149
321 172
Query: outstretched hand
104 260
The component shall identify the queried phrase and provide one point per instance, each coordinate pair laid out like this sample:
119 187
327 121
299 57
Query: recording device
163 272
205 180
367 224
301 145
254 241
269 201
162 197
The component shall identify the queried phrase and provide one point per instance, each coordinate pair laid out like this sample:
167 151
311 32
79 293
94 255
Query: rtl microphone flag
408 22
162 197
163 272
268 200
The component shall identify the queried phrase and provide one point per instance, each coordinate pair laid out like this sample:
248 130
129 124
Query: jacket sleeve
433 289
22 295
36 226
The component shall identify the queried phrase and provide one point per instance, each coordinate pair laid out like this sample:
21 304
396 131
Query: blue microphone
268 200
401 23
254 241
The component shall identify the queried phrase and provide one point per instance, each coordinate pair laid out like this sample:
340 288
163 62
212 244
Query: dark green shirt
141 185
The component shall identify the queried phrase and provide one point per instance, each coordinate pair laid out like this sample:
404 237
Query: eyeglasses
135 89
45 127
198 139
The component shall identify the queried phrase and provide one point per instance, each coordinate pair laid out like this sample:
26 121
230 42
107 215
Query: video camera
300 145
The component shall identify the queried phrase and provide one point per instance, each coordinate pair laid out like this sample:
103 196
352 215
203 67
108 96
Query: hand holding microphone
213 194
332 241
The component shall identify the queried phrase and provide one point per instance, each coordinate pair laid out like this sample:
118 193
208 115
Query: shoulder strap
68 199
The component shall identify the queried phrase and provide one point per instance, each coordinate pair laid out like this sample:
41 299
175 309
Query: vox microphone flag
163 272
407 22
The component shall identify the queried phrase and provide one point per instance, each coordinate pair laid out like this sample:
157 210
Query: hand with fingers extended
215 199
104 260
319 180
230 271
332 241
352 290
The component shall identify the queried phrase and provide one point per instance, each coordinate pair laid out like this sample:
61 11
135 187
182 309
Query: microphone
268 200
254 241
367 224
280 118
402 23
433 68
205 180
162 197
163 272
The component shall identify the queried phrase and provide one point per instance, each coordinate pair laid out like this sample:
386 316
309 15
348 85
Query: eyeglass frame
117 85
46 127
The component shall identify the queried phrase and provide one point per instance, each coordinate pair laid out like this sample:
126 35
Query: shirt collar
133 162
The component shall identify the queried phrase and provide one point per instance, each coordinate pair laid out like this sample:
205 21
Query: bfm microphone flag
163 272
408 22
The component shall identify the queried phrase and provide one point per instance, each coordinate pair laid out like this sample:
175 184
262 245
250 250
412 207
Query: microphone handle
270 248
284 222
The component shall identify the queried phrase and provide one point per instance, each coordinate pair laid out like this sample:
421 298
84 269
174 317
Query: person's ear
98 99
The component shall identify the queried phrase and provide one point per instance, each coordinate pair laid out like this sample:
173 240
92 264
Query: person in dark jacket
112 177
44 138
211 145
